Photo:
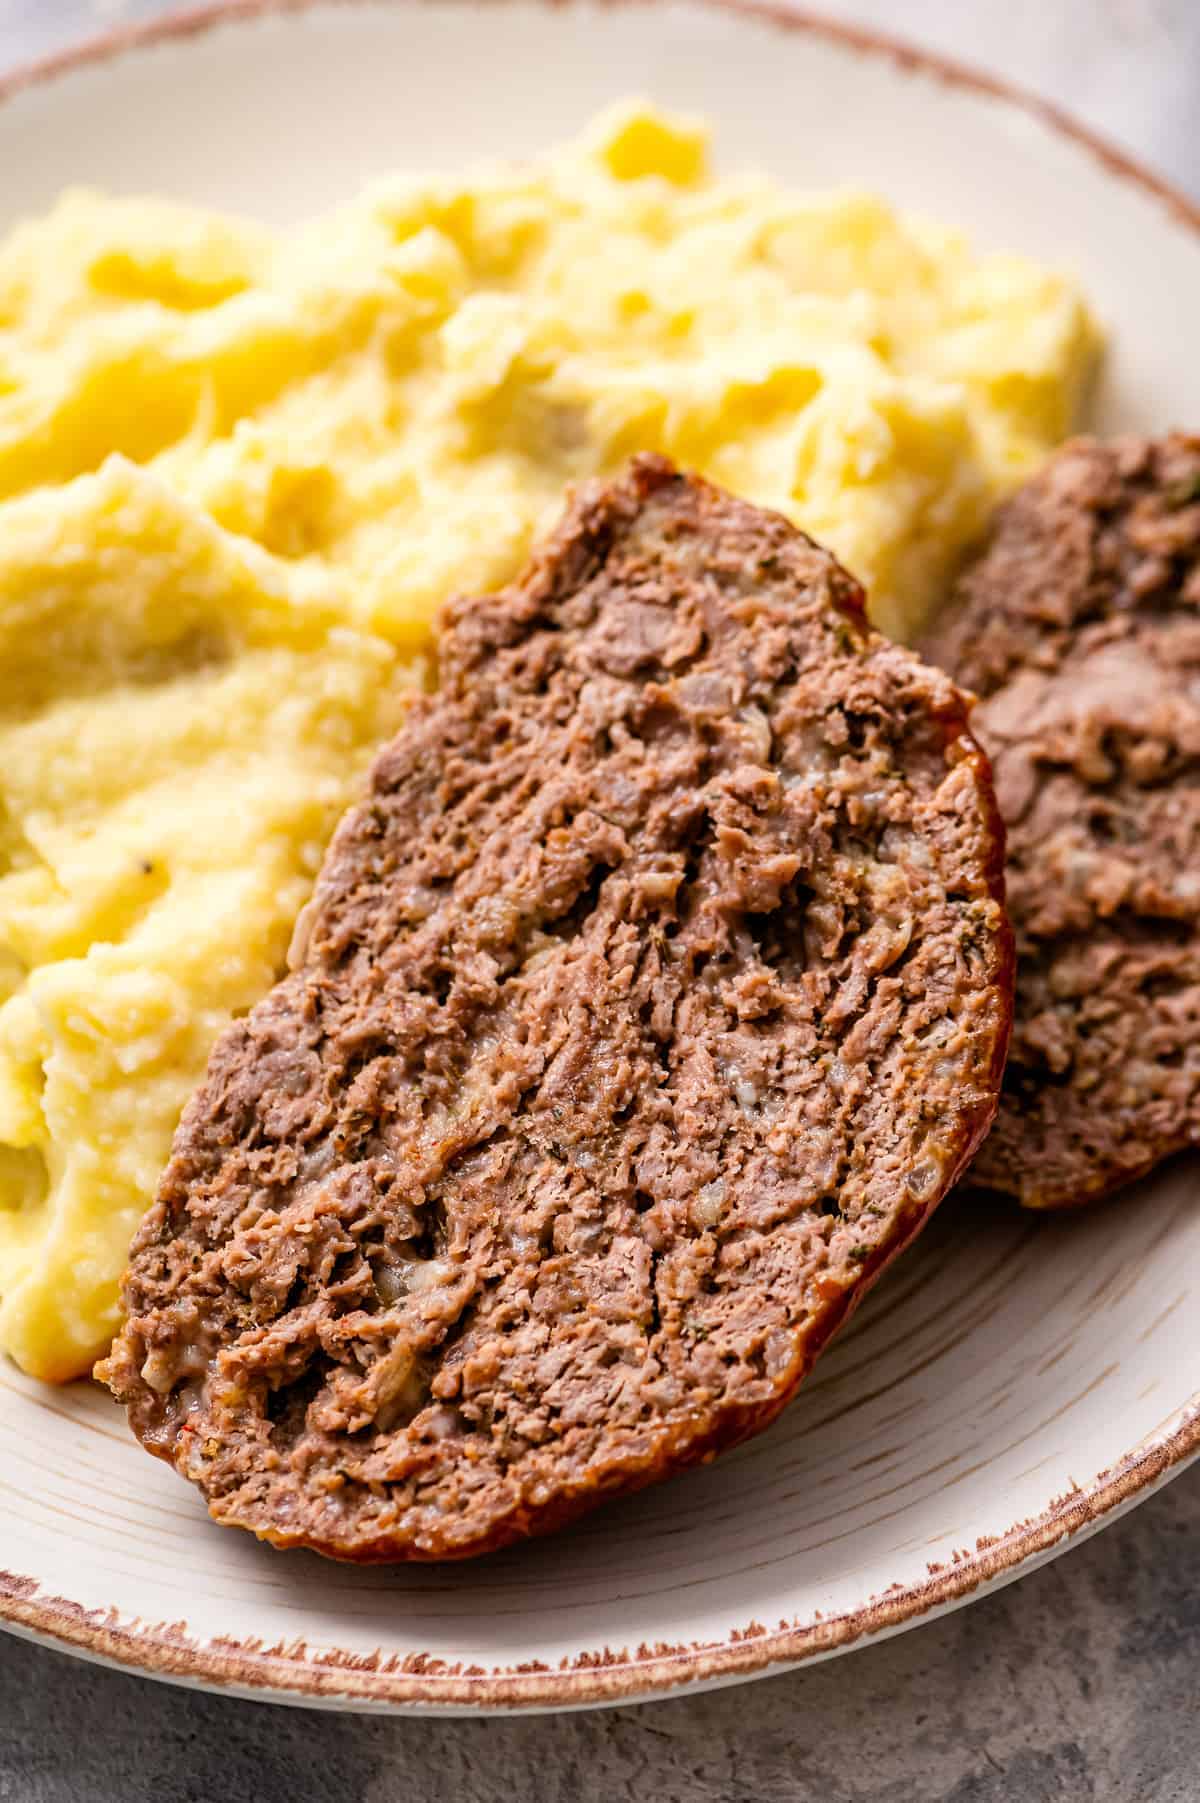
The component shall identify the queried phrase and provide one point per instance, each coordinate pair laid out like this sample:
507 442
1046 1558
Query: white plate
1015 1382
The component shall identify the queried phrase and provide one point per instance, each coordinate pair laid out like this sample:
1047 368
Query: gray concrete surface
1081 1683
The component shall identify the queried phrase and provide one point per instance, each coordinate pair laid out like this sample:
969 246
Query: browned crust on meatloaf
646 1007
1079 626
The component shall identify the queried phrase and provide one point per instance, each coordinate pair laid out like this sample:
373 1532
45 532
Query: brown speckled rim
293 1672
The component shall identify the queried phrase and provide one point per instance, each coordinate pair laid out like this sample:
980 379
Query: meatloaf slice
646 1007
1079 626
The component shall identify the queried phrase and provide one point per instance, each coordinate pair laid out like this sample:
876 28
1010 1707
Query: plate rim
291 1673
421 1684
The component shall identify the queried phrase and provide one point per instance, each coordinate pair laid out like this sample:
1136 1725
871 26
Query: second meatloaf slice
1078 624
651 1000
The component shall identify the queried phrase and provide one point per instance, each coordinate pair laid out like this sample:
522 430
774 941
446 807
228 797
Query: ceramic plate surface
1014 1382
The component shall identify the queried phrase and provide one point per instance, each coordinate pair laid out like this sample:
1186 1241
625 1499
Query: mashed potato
181 721
241 469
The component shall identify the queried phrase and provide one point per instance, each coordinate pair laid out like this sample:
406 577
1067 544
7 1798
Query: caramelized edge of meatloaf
1078 623
647 1005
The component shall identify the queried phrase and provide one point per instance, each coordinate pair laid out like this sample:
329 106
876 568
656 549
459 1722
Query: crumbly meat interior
654 995
1079 626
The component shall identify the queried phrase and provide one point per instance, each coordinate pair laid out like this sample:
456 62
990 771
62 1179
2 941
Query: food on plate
1079 626
646 1006
376 409
400 391
182 721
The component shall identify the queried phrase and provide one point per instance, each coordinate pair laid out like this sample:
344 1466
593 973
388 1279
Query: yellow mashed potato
240 469
182 719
